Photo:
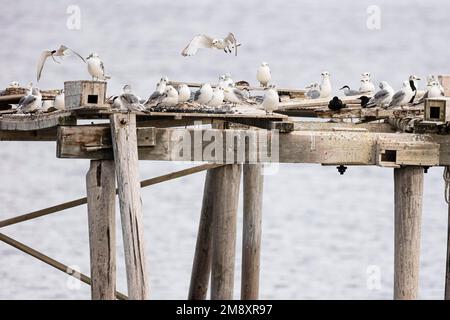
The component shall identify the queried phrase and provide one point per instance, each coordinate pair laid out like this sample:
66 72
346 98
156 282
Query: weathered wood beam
33 135
408 189
124 141
101 196
37 121
253 181
226 181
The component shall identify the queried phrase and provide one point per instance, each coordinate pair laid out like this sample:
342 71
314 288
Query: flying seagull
204 41
62 51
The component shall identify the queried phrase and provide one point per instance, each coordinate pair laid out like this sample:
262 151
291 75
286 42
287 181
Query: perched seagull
160 88
184 93
433 92
204 94
349 92
31 103
271 99
14 84
383 97
217 99
128 101
225 80
59 101
234 95
403 96
412 83
96 68
368 84
336 104
263 74
169 98
246 92
313 90
325 87
62 51
204 41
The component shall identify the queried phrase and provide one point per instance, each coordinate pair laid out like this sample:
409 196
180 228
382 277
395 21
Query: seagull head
325 74
92 55
430 78
383 85
164 79
264 64
170 92
345 87
206 86
271 87
366 75
413 78
215 42
313 85
126 88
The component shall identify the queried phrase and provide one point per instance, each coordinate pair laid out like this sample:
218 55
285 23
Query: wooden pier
231 146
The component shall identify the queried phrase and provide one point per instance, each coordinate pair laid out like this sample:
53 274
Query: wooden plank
408 188
226 182
101 196
323 147
251 241
33 135
36 121
333 126
124 140
201 267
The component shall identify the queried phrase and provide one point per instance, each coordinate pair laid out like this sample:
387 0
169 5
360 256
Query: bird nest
193 108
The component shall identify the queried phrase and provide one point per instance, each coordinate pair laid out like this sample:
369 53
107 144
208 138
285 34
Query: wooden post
201 267
447 269
251 238
124 138
408 188
101 196
226 191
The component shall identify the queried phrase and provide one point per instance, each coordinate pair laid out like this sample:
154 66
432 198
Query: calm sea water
323 234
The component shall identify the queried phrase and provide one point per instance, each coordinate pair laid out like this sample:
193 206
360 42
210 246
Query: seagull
263 74
217 98
368 87
169 98
225 80
325 88
234 95
382 97
14 84
204 41
349 92
271 99
31 102
62 51
160 88
59 103
204 94
313 90
433 92
336 104
128 101
96 68
184 93
403 96
413 86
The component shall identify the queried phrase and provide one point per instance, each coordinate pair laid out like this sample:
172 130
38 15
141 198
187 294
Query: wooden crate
395 154
84 93
437 109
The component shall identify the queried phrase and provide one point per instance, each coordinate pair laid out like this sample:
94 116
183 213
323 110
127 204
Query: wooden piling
124 140
201 267
226 191
101 195
251 237
408 188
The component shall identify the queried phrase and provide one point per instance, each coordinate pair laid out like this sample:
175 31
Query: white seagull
204 94
263 74
160 88
128 101
59 103
31 102
313 90
383 97
271 99
434 91
234 95
403 96
62 51
367 86
218 96
204 41
184 93
96 68
325 87
225 80
349 92
169 98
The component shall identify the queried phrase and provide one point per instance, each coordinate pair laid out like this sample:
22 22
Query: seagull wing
44 55
378 97
129 98
397 98
26 102
197 95
199 41
66 51
231 41
239 94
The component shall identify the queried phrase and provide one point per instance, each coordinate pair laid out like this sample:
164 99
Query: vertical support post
201 267
408 188
101 196
253 182
226 191
124 139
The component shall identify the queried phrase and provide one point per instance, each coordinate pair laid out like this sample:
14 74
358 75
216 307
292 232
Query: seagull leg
55 60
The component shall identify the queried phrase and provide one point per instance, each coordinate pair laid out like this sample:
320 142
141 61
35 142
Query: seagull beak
342 88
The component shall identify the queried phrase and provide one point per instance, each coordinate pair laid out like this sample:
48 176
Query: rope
447 184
